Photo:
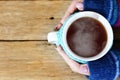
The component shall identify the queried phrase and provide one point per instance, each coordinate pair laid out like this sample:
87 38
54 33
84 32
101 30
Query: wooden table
24 51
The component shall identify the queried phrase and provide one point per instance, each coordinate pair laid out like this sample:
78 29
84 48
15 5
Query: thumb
79 6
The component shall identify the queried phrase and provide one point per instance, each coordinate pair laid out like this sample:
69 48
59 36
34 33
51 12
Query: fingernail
85 69
55 29
79 6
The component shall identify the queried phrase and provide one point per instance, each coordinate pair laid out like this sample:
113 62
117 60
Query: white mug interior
98 17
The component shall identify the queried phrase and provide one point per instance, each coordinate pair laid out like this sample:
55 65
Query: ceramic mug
59 37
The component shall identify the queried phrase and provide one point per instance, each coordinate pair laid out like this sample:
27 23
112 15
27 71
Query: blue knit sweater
107 8
107 67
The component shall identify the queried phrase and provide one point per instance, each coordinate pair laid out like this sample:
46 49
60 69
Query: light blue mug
59 37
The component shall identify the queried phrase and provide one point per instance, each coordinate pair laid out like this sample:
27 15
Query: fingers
76 4
65 56
84 69
58 26
79 6
76 67
62 53
69 11
59 49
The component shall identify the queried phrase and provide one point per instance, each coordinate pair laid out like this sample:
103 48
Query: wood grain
29 20
21 24
33 61
24 51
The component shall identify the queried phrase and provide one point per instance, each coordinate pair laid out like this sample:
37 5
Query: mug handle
52 38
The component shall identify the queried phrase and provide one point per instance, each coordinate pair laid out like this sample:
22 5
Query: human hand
75 67
76 4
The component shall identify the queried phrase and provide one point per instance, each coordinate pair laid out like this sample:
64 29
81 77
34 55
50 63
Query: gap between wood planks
21 40
115 45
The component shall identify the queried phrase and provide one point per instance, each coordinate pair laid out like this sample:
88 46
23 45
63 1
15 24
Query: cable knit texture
110 9
118 21
107 67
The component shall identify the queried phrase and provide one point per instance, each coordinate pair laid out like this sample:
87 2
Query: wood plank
35 29
33 61
28 20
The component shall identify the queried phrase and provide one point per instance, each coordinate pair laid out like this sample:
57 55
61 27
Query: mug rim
102 20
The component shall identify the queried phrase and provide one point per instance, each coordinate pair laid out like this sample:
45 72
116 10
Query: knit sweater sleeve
107 8
106 68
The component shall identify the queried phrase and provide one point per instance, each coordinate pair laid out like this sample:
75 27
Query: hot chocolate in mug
82 34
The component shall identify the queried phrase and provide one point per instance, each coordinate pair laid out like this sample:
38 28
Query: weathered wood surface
29 20
24 51
22 59
33 61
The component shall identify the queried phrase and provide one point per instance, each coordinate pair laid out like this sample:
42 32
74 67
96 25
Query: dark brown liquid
86 37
